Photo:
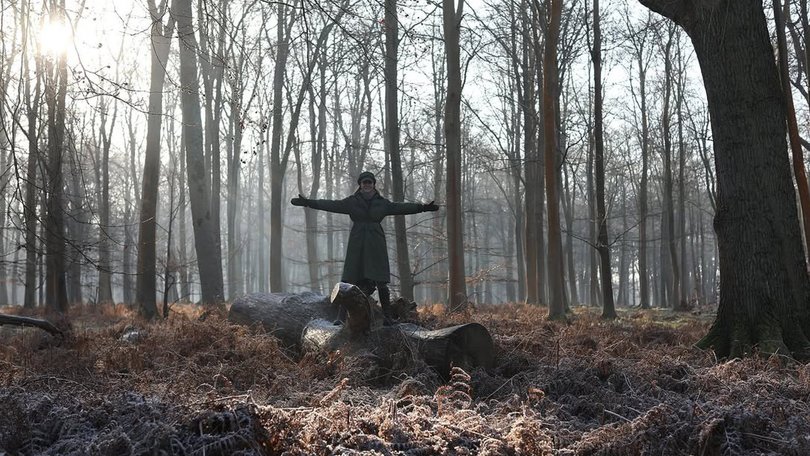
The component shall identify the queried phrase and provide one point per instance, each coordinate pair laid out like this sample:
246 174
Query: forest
623 220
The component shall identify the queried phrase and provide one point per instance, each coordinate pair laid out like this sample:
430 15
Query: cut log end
467 346
359 312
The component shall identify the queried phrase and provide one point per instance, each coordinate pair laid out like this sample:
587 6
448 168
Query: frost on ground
190 387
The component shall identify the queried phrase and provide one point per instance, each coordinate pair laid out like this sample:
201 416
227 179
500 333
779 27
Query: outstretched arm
337 206
410 208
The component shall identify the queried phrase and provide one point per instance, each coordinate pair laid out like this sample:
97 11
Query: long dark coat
367 252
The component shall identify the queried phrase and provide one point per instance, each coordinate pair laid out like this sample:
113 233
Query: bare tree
56 75
209 262
33 101
457 290
602 245
286 19
103 197
146 287
765 287
392 144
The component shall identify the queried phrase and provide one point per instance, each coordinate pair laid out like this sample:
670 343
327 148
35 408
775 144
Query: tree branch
677 10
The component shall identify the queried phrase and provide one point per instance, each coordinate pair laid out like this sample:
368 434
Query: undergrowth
184 385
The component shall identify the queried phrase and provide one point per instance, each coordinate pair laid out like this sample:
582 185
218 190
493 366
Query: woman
366 262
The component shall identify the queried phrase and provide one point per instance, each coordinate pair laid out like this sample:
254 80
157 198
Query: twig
616 415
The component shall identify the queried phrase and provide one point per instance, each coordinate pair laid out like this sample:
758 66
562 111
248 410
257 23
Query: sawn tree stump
350 321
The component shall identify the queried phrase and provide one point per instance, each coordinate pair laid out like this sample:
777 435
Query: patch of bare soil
188 387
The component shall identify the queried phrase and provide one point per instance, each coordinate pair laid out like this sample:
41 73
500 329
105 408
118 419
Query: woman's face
367 185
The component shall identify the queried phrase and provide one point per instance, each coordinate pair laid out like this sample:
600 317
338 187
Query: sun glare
55 38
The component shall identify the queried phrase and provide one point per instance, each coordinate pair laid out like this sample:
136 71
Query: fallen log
17 320
350 321
282 314
467 346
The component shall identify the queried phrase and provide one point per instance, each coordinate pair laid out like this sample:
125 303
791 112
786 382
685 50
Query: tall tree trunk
31 187
556 307
793 128
533 232
683 294
457 290
440 247
765 287
261 269
643 273
392 144
277 165
56 91
212 67
145 284
569 203
234 151
594 297
602 245
76 228
133 204
209 262
673 279
105 295
182 211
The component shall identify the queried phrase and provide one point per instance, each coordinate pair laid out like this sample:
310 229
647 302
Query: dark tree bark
31 186
669 252
602 245
145 282
209 262
528 100
55 93
556 306
392 144
286 18
457 288
212 69
765 287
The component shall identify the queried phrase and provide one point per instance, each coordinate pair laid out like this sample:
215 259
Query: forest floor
636 385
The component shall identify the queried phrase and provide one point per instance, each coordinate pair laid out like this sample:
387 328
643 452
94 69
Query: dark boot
385 302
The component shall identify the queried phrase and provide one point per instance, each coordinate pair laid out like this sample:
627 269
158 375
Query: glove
430 207
299 201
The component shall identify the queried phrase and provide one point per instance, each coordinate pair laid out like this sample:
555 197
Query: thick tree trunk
209 261
532 168
56 91
765 287
145 282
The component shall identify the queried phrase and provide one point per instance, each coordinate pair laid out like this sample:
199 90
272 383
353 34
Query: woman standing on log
366 262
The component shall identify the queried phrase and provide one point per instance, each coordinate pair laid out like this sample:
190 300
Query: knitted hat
366 175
